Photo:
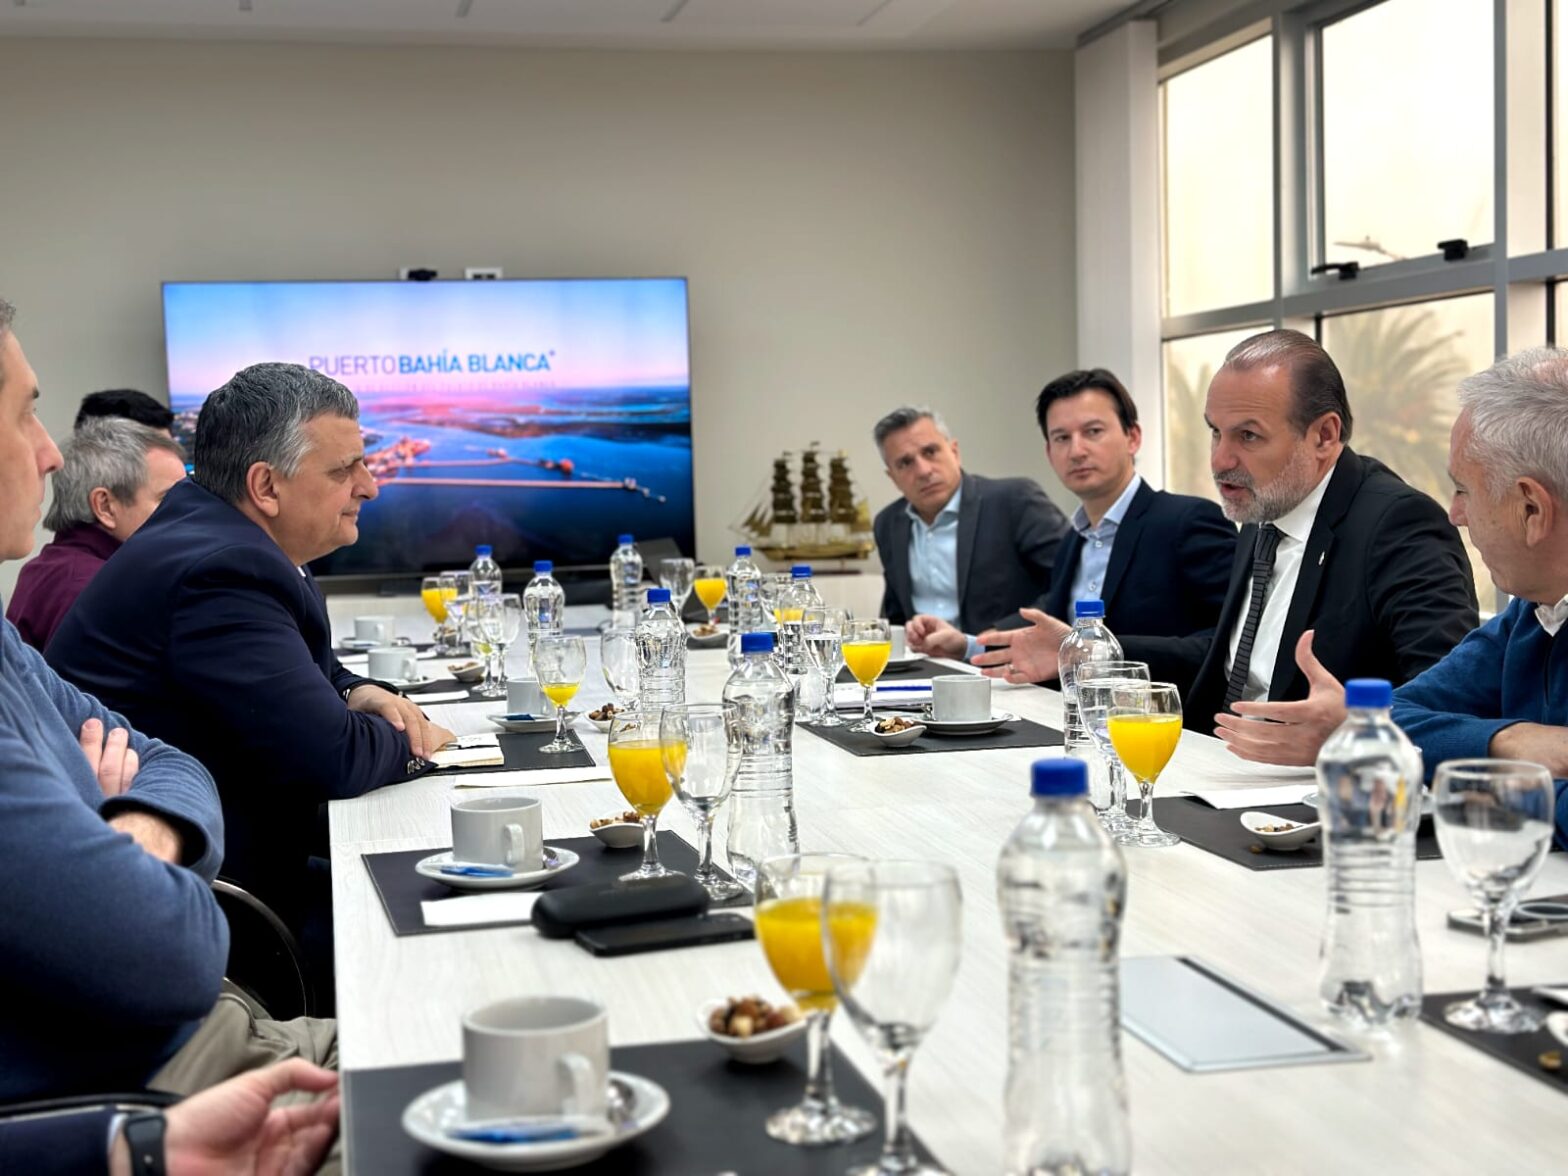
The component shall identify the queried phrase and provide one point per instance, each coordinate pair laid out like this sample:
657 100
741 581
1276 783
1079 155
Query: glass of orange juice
560 661
708 582
791 927
1145 726
637 759
867 645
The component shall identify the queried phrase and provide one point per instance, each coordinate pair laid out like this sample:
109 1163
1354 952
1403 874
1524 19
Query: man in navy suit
1159 561
206 630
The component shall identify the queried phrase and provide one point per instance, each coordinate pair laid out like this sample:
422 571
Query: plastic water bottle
1062 887
1088 641
762 803
661 653
544 605
485 573
1369 800
743 590
793 603
625 576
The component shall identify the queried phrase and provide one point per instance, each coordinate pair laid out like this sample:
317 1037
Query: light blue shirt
933 565
1094 557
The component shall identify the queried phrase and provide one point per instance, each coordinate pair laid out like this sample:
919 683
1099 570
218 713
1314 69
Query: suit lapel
897 570
968 519
1126 540
1337 498
1058 602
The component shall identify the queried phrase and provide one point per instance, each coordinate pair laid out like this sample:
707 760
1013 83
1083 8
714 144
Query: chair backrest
265 960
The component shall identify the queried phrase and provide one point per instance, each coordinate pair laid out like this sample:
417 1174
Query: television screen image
541 417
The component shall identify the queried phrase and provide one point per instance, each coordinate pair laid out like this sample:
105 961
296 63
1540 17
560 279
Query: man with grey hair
116 472
1503 692
960 548
206 630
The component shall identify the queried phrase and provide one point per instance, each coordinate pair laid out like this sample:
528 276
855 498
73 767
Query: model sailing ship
818 524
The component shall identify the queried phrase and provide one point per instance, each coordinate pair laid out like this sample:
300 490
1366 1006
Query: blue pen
890 689
543 1134
477 871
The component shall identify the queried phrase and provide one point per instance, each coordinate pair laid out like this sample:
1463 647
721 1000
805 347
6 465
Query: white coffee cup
392 663
536 1055
523 697
899 648
960 698
373 628
499 831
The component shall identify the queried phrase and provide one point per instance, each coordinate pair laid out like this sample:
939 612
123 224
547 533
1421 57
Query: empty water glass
677 575
618 663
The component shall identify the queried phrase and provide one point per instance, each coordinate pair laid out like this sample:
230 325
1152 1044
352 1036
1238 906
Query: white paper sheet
527 779
1246 798
849 695
439 696
472 910
351 660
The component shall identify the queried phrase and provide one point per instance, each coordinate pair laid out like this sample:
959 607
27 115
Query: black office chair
265 961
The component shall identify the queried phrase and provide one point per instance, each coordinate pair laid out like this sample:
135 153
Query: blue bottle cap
1059 777
482 550
743 550
756 642
658 596
801 571
543 567
624 540
1369 694
1088 608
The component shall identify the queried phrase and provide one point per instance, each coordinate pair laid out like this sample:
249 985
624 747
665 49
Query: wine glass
560 661
677 575
1494 825
893 934
1144 721
435 604
618 663
499 619
709 582
637 763
823 631
772 589
789 927
866 646
456 585
1113 814
694 739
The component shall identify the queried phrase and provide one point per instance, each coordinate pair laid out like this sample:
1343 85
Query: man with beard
1341 571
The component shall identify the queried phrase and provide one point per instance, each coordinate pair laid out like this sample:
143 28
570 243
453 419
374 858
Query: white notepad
473 910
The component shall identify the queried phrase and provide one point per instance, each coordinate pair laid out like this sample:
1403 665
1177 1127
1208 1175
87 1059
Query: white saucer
432 1114
412 683
966 726
430 867
530 724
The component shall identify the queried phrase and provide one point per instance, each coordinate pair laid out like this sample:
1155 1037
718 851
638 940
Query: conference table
1425 1102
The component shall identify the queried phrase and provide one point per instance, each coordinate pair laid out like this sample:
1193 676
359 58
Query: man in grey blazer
967 549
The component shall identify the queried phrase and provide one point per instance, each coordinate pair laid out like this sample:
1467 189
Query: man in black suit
1341 570
959 548
205 629
1159 561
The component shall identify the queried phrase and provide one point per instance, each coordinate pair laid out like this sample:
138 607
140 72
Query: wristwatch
144 1137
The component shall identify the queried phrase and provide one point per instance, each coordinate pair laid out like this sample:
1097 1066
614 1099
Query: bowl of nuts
1279 833
466 672
750 1029
622 831
897 731
603 717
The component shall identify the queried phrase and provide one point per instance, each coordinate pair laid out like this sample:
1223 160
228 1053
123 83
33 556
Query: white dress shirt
1294 530
1094 557
1552 616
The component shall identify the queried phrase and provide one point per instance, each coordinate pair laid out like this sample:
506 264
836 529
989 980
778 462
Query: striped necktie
1262 573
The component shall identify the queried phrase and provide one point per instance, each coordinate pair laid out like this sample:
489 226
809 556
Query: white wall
859 231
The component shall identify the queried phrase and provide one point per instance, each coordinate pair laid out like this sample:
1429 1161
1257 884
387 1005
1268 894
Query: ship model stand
820 523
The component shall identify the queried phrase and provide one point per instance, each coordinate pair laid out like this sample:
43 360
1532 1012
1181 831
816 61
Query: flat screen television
543 417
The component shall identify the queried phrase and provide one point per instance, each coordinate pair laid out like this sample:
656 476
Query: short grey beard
1281 496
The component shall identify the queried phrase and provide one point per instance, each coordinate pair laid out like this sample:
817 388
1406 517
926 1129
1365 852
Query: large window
1219 182
1382 141
1407 129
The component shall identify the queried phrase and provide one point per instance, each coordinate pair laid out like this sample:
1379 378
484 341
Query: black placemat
921 668
522 754
402 889
1018 733
717 1111
1522 1051
1220 832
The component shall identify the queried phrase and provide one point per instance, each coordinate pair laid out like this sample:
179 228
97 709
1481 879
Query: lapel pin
1322 555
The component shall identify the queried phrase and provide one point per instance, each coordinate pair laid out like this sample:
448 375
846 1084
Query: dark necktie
1262 573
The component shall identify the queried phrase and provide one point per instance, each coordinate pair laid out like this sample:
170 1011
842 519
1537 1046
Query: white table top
1426 1101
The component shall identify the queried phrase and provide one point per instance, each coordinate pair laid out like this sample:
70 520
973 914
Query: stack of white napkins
532 776
900 695
439 696
470 751
1247 798
475 910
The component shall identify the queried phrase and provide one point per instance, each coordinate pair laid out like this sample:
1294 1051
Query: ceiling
586 24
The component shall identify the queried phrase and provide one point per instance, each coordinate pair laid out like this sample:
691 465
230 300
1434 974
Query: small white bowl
600 725
1293 838
756 1050
621 835
707 640
467 673
900 738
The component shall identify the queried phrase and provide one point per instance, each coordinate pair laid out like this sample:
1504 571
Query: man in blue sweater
1503 691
